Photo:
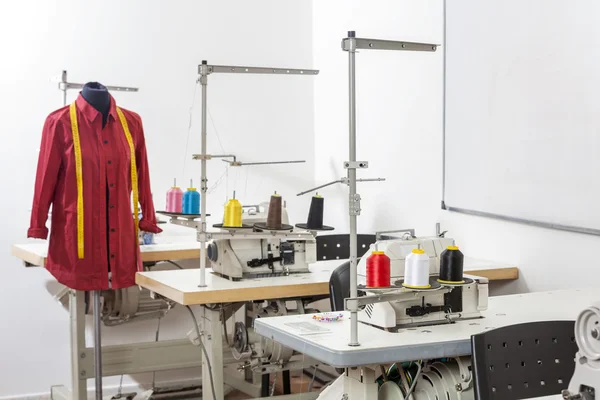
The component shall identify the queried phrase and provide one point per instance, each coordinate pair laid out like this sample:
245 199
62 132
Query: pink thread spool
174 198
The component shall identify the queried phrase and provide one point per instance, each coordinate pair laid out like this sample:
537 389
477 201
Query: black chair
522 361
339 286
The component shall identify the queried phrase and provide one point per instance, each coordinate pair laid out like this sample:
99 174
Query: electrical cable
210 372
312 382
414 382
175 264
225 327
274 384
156 340
405 385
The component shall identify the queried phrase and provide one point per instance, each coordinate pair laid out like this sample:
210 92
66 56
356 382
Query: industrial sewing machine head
586 377
250 253
397 306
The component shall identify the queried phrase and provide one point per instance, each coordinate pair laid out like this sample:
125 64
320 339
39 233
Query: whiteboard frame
479 213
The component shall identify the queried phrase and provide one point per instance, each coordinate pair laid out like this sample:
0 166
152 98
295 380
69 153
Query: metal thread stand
351 44
64 85
204 70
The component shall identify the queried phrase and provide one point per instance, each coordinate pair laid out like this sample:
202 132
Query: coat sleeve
49 164
148 221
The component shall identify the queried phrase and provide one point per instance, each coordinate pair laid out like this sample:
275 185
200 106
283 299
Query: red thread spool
378 270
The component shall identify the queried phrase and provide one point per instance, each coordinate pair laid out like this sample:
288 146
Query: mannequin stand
97 344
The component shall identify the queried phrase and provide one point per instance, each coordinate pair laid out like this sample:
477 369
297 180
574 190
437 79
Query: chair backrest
337 247
339 286
522 361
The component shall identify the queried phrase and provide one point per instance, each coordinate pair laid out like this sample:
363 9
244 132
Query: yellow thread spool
233 214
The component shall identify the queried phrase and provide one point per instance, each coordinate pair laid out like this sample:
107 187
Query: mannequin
96 94
86 169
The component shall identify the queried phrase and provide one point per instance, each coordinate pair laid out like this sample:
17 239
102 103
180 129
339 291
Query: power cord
175 264
414 381
212 383
312 382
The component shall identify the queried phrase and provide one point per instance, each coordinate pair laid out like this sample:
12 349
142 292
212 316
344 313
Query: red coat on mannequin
109 232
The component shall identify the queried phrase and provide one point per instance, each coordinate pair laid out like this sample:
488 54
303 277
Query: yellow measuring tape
134 177
79 175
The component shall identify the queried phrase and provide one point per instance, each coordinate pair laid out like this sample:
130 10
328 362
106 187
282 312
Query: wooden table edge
233 295
496 274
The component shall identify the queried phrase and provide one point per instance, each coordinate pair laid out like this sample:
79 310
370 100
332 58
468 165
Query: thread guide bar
238 69
351 44
343 181
236 163
63 84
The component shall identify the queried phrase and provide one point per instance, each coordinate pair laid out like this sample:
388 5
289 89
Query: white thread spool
416 270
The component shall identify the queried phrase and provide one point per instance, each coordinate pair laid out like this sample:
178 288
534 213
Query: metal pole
352 203
63 79
203 184
97 344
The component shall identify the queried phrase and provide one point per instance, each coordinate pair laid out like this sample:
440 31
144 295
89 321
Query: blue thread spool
191 200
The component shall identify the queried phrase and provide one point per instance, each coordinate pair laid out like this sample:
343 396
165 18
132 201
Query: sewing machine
246 254
586 378
440 304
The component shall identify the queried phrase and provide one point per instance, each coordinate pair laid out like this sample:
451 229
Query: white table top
330 345
182 285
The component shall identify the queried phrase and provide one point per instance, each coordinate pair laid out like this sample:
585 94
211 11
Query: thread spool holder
204 70
351 44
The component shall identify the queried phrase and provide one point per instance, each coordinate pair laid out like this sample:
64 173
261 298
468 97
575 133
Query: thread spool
191 200
416 270
274 216
232 217
174 198
378 270
451 265
315 215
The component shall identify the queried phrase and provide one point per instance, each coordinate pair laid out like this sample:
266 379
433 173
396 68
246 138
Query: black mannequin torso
97 96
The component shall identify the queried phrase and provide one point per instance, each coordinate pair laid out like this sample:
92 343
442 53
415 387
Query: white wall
399 110
156 46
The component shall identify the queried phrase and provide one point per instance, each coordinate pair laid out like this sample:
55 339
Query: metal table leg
97 344
77 322
213 342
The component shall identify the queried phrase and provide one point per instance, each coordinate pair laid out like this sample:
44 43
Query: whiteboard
522 111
